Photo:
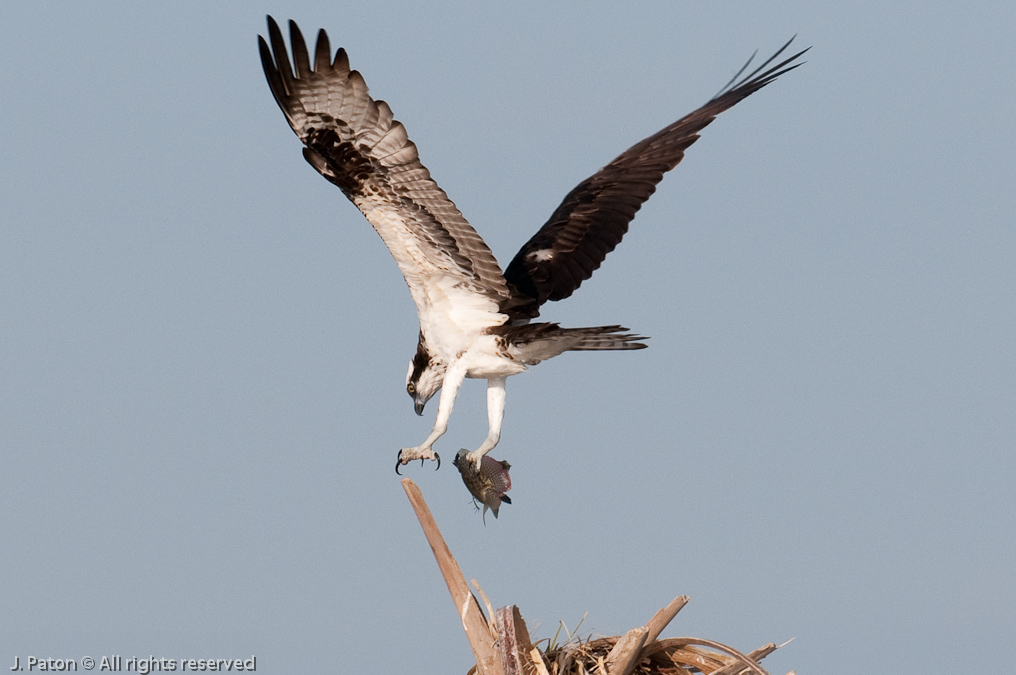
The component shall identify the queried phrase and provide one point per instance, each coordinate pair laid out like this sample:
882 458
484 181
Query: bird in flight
475 320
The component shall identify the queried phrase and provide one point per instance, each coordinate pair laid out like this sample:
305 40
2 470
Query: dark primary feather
355 142
594 216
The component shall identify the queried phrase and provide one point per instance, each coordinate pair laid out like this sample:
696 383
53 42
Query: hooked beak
418 406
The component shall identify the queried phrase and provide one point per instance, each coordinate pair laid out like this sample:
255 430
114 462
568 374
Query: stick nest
671 656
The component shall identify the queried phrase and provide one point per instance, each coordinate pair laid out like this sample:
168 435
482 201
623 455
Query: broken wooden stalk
488 660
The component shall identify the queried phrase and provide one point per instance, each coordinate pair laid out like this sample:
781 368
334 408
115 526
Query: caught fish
488 485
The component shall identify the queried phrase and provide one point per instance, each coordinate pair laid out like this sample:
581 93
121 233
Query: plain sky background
203 345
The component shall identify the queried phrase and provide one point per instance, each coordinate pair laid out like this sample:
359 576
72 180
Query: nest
671 656
501 644
637 652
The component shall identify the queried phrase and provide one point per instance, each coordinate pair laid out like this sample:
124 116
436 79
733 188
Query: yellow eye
411 388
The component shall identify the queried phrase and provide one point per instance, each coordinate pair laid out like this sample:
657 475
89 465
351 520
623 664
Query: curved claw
423 460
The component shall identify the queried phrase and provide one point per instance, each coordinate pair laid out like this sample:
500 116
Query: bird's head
425 376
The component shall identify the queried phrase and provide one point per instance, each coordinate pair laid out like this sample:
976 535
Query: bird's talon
407 455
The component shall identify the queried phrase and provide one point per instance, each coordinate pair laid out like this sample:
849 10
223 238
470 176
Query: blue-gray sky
203 344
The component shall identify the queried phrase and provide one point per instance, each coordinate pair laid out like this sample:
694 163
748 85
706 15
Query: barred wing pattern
355 142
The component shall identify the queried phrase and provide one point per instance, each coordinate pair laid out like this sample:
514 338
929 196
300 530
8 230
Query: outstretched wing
354 142
594 216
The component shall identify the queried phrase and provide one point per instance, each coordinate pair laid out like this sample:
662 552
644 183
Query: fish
488 485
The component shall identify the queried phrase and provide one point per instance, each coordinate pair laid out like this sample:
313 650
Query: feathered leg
495 415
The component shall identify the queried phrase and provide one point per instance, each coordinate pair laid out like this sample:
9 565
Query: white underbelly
483 360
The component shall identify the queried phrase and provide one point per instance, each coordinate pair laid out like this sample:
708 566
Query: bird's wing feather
594 216
355 142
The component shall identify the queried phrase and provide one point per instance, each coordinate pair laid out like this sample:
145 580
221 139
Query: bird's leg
449 390
495 414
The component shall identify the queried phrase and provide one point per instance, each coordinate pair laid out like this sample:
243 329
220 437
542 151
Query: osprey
475 320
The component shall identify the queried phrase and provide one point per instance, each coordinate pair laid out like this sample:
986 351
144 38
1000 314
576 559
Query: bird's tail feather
604 337
537 342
